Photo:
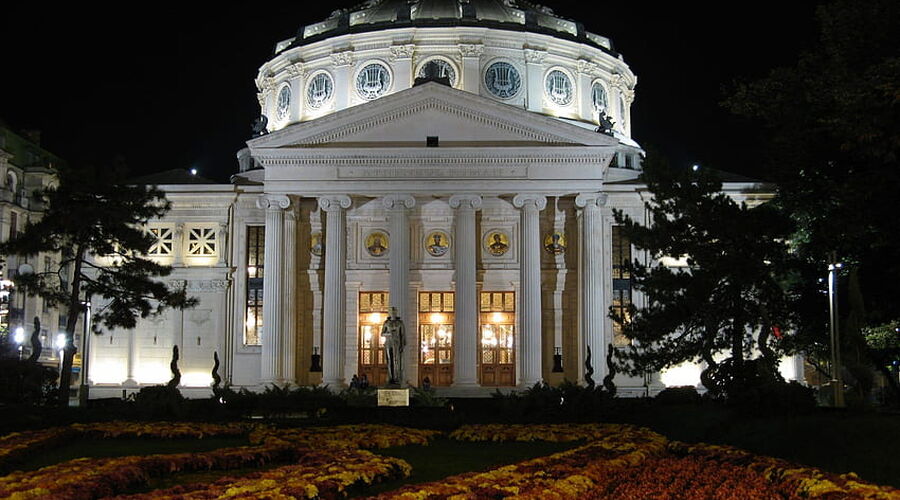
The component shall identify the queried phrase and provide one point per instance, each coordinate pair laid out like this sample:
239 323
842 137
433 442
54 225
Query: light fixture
376 318
61 341
251 270
437 318
20 335
497 317
193 171
695 167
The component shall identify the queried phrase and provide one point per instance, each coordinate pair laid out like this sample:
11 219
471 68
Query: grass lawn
444 457
104 448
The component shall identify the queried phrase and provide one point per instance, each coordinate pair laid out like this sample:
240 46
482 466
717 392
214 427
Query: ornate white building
481 210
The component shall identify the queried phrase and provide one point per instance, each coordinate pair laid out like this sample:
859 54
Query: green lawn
444 457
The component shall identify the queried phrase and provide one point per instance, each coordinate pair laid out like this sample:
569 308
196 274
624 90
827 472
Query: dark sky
169 87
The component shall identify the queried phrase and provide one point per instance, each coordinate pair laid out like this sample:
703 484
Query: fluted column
272 347
333 329
465 343
398 206
530 276
289 311
593 308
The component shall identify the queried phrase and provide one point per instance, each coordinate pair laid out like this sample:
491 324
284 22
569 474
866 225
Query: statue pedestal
393 397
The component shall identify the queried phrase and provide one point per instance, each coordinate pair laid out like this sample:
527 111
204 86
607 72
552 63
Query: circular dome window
284 103
319 90
373 81
444 70
559 88
502 80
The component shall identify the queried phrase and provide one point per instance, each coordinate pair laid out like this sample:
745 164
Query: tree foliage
94 222
730 296
833 128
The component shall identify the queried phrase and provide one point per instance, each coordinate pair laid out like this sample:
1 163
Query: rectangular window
13 224
497 319
165 241
373 311
436 320
256 244
202 242
621 277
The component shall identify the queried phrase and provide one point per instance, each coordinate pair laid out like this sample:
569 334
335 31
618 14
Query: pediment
407 118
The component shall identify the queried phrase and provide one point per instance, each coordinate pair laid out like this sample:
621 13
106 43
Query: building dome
512 51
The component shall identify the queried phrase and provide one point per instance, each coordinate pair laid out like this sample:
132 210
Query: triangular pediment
407 118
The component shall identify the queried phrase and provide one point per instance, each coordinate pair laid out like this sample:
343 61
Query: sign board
393 397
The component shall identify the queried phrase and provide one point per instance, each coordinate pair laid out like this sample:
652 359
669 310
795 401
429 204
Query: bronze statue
394 336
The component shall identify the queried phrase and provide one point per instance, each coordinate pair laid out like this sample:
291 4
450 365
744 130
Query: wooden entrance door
436 319
497 339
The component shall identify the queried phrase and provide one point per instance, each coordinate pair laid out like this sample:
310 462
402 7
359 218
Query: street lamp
837 379
61 344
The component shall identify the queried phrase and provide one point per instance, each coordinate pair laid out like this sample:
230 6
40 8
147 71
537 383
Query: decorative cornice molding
471 49
533 56
588 68
345 58
334 202
525 201
398 202
273 202
591 199
466 201
402 52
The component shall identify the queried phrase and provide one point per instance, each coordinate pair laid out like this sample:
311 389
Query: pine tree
95 223
731 295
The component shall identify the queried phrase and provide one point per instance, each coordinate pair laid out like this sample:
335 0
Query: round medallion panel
377 243
502 79
319 90
558 87
373 81
316 244
496 243
437 243
555 243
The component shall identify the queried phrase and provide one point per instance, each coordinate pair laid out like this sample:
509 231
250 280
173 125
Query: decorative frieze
345 58
471 49
402 52
533 56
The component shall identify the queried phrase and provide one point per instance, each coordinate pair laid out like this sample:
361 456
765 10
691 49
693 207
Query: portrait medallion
437 243
496 243
555 243
377 243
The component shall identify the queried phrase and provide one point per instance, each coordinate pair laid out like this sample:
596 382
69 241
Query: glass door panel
497 340
372 314
436 338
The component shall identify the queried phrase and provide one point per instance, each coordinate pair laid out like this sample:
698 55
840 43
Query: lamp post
60 346
837 379
83 388
20 339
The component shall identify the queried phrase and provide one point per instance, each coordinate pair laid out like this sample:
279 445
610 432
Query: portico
439 233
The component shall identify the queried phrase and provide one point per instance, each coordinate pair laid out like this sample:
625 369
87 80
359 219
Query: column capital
591 199
538 201
334 202
273 201
468 201
398 201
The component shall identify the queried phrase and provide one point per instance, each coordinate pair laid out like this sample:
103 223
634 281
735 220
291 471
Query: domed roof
374 15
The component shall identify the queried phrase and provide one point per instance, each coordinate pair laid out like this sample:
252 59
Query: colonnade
279 336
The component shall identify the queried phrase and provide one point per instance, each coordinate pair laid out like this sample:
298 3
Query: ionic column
398 206
333 328
289 310
530 276
465 343
593 307
272 346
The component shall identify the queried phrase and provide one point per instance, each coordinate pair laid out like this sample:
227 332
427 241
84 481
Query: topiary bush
682 395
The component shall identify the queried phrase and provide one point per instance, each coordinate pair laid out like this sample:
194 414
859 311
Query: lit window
256 244
373 81
621 300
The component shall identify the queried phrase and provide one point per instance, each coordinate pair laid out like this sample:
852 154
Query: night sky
166 87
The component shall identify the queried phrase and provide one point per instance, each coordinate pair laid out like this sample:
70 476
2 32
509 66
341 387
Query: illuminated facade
481 210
